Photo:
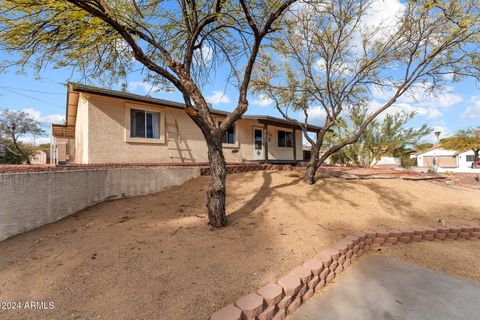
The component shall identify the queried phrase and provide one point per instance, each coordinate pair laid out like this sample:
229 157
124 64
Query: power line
29 90
34 98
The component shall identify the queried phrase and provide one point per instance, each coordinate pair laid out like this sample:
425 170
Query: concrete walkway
384 288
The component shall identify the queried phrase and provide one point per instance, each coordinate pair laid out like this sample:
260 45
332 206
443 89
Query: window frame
278 146
145 123
128 123
470 155
234 126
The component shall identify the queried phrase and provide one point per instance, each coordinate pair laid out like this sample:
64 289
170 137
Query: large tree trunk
216 194
312 166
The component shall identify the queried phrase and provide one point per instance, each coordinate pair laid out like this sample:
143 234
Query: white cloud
419 100
345 67
434 114
217 97
35 140
381 19
429 113
383 13
316 115
472 111
203 55
262 101
444 132
44 119
145 86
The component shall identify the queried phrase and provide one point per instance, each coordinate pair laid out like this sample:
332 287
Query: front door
258 145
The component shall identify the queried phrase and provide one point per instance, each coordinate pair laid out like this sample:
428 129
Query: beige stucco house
107 126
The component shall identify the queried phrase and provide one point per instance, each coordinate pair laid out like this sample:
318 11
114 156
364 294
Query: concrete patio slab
385 288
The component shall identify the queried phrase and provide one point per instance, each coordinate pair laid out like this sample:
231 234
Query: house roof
439 147
435 146
77 87
64 131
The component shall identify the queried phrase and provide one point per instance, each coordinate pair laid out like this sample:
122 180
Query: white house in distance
446 160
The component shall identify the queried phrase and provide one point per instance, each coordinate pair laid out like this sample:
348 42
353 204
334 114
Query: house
107 126
40 157
388 162
445 159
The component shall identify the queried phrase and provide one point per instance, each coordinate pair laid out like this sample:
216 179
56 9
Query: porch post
265 141
294 140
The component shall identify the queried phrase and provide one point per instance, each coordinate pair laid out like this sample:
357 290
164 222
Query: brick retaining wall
276 300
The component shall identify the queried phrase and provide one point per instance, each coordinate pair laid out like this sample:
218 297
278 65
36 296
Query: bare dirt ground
154 257
459 258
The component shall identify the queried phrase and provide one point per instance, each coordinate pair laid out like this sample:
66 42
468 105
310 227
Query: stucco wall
81 130
30 200
462 159
106 140
278 153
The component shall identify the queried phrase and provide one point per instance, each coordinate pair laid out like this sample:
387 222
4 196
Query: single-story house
388 162
447 159
40 157
108 126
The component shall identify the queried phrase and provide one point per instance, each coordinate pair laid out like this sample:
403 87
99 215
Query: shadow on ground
155 255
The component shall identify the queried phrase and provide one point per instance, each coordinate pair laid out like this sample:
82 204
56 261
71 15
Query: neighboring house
40 157
446 159
107 126
388 162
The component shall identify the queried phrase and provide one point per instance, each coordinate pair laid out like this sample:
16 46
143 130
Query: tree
14 125
419 147
464 140
178 43
330 59
386 137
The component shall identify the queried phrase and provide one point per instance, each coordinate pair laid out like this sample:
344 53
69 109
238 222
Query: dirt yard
154 257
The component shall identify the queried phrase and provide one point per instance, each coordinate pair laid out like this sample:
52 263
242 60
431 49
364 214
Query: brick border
275 300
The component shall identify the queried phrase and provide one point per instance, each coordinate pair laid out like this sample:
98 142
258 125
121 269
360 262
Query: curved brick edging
275 300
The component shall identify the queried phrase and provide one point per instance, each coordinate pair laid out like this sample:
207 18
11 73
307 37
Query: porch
284 137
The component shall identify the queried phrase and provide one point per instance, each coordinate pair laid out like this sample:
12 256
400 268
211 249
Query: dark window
284 139
144 124
470 157
258 137
229 137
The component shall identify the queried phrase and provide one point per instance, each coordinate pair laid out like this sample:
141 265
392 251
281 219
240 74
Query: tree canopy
331 58
177 43
15 125
383 137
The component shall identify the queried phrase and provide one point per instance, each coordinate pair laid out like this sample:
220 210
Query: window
258 138
144 124
470 157
284 139
229 137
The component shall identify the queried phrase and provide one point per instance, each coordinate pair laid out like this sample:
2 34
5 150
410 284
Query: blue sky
456 108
